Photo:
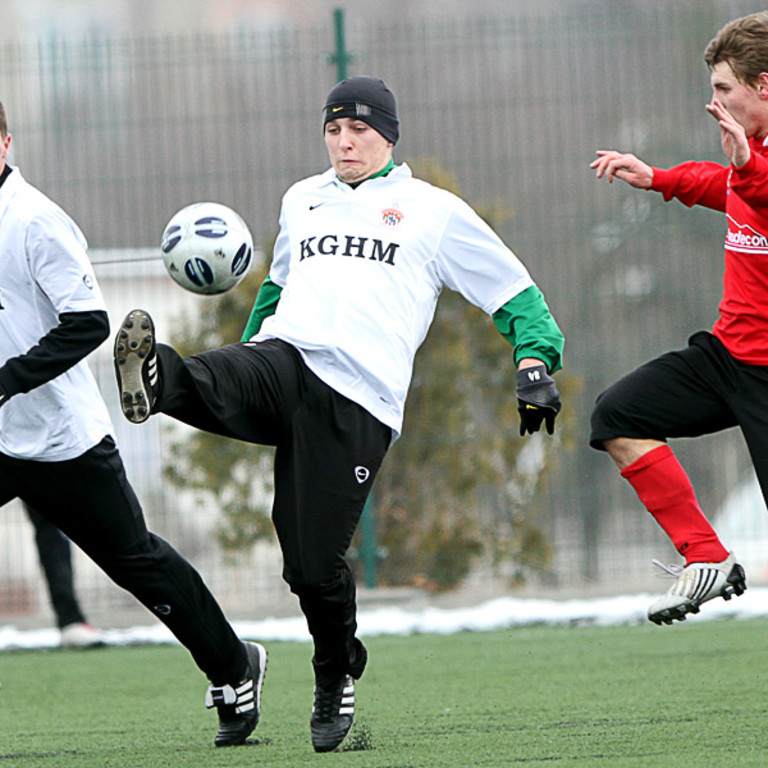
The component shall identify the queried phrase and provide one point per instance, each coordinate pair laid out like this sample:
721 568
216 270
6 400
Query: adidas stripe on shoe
332 714
696 584
239 705
136 366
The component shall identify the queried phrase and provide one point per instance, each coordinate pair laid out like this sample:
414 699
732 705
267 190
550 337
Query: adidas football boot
696 584
239 705
332 714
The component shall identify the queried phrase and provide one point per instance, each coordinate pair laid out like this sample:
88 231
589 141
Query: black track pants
90 500
328 451
55 554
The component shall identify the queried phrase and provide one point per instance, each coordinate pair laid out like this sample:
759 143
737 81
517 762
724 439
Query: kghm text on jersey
349 245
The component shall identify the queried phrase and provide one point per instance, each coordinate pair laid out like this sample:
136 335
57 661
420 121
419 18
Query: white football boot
81 635
695 584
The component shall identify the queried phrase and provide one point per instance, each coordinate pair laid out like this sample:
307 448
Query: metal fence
123 132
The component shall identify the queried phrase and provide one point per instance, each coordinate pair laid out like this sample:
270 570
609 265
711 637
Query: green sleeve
527 324
264 306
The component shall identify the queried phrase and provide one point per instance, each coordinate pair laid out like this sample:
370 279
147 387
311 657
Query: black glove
537 399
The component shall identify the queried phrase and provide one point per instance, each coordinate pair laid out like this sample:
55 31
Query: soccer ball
207 248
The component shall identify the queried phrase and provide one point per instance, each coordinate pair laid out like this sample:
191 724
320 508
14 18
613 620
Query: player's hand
611 165
537 399
733 137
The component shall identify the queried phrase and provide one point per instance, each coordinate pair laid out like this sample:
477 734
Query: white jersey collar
399 171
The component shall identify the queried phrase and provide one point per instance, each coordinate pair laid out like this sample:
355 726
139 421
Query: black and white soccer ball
207 248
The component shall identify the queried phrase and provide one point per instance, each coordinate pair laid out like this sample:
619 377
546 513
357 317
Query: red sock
663 486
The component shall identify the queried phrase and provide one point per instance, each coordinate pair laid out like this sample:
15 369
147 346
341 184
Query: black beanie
367 99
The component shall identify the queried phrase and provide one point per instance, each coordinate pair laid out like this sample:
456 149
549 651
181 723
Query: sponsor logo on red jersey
745 239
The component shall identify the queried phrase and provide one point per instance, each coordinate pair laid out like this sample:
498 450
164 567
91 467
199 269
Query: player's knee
127 563
605 419
606 403
318 582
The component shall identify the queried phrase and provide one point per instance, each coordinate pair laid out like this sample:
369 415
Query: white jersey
44 271
361 271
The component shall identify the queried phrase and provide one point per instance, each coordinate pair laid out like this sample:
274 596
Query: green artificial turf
693 695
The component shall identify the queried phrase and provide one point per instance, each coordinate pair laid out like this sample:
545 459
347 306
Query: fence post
341 57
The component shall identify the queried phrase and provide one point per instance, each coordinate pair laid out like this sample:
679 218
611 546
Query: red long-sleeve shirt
742 193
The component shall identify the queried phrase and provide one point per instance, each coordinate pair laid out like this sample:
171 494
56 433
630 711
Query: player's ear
4 145
762 85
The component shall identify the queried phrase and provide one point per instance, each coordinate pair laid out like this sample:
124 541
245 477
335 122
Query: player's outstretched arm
611 165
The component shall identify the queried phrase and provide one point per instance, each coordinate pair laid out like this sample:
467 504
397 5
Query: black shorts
694 391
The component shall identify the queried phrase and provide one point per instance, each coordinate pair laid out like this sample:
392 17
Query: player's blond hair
743 45
3 122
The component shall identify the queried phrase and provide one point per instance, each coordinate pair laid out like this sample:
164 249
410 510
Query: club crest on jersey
391 217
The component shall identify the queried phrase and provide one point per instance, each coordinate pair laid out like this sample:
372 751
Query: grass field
689 695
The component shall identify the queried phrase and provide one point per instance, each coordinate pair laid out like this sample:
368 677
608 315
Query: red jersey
742 193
